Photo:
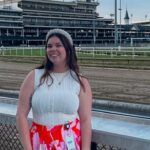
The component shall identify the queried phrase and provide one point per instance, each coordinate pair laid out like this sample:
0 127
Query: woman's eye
49 46
58 45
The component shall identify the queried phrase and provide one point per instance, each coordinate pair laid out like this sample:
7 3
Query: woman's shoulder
39 72
79 76
85 83
33 73
30 74
28 81
84 80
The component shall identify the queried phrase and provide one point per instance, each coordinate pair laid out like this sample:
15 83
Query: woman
60 99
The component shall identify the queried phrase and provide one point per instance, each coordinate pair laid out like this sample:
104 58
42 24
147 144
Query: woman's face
56 51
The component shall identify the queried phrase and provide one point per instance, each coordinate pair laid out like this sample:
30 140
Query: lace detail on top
55 103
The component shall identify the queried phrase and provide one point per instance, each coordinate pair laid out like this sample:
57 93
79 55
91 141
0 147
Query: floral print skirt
53 137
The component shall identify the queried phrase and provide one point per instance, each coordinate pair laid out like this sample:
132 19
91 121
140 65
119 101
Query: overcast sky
137 9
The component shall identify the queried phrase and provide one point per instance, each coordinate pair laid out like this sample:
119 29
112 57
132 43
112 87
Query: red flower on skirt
53 137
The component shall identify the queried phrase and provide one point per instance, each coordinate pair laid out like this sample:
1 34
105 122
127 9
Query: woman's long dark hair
47 65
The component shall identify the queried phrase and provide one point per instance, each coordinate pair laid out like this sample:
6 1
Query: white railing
108 130
81 51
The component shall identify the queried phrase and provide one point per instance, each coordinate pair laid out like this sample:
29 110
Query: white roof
12 6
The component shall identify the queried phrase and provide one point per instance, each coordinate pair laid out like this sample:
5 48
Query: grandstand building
11 26
79 18
26 22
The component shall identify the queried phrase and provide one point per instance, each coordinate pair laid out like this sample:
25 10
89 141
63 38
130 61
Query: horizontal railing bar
110 130
121 113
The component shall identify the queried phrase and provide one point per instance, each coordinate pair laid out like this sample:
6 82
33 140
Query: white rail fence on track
81 51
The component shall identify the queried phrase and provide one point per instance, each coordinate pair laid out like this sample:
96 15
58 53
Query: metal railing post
93 146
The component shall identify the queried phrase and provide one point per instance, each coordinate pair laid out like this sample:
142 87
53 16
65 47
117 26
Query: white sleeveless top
55 103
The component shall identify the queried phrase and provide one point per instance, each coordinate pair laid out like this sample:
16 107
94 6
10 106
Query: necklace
60 77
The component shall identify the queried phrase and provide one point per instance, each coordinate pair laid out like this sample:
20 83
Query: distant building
136 33
79 18
11 25
26 22
143 23
126 18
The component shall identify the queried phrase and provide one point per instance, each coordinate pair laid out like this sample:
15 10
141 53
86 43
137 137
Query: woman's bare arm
26 91
85 114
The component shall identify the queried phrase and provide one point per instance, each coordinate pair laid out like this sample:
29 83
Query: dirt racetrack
107 83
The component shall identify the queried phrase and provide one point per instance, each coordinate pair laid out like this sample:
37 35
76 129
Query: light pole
116 30
94 36
131 18
120 9
145 17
